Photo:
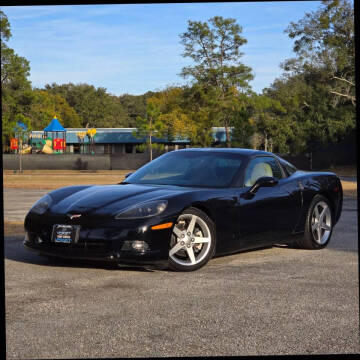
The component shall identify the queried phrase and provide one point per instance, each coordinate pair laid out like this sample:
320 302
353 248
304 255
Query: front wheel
192 242
319 224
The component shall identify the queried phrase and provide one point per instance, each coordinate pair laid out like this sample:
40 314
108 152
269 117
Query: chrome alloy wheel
191 240
321 222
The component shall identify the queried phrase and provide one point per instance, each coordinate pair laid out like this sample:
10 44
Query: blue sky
136 48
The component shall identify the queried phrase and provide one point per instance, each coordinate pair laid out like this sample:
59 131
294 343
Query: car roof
241 151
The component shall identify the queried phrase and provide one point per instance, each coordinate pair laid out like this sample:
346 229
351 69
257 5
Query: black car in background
186 206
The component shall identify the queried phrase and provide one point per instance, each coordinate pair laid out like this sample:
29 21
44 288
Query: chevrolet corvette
186 206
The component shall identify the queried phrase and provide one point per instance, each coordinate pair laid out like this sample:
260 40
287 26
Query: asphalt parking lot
270 301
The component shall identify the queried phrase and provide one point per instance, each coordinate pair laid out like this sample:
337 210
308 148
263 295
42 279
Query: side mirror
128 174
265 181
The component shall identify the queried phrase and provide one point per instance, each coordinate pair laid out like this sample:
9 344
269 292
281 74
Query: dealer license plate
65 234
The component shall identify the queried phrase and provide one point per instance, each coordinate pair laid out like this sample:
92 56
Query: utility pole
266 142
20 154
227 133
150 142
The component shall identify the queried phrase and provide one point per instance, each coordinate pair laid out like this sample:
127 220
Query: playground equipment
81 136
91 135
26 149
57 133
47 149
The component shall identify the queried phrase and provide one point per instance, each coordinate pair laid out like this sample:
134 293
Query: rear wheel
319 224
192 242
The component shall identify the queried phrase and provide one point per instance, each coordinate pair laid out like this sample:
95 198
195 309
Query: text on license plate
65 233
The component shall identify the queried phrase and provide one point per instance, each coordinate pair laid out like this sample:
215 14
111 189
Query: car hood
111 198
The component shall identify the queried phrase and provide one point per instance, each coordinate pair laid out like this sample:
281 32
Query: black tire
310 239
209 250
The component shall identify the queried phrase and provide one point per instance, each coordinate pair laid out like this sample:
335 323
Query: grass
12 228
349 188
345 170
53 179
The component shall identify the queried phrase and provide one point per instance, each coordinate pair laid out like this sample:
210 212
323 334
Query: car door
271 214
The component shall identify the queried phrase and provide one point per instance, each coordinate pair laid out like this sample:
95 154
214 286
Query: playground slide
26 149
47 147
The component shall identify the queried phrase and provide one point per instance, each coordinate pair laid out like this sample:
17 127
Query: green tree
14 69
174 115
215 48
94 106
325 42
243 127
5 32
15 87
292 93
269 120
309 109
316 88
134 106
45 106
149 126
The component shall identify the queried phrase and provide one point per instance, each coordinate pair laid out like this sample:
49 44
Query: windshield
189 168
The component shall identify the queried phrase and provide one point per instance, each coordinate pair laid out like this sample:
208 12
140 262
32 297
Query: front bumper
121 257
101 239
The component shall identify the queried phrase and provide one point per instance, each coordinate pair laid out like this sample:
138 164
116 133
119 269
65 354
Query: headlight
147 209
42 205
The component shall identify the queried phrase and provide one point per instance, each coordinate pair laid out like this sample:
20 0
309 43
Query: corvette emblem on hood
74 216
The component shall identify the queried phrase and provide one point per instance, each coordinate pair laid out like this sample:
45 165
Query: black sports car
187 206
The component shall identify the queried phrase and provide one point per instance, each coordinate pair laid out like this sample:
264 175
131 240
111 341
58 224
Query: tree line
311 104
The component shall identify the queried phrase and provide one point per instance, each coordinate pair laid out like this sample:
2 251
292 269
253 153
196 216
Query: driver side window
262 166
